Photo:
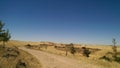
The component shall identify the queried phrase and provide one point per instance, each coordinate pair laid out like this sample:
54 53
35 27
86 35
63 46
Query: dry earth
48 60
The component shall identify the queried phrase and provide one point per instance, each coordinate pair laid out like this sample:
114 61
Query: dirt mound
12 57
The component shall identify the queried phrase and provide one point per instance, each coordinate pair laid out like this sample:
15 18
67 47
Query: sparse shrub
11 52
55 46
21 64
28 45
86 51
72 49
105 58
7 55
117 59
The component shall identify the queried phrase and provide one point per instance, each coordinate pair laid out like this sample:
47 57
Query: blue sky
66 21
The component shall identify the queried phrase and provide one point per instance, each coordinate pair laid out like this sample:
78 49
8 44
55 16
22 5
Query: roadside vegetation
12 56
93 54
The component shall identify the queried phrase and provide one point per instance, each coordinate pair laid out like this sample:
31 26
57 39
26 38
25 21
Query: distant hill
22 43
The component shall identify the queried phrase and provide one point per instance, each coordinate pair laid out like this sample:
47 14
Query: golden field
97 52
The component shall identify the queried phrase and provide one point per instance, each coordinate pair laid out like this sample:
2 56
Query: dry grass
12 61
93 59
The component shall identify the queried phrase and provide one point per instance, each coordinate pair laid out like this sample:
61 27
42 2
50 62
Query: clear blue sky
67 21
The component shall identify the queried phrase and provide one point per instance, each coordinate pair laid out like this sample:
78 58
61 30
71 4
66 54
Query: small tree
6 37
114 48
4 34
66 50
1 30
113 54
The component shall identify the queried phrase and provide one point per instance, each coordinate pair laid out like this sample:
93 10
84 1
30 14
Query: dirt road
55 61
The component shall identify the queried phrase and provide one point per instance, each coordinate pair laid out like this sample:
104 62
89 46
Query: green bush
86 51
72 50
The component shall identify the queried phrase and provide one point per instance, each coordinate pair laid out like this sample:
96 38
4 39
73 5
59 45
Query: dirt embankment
12 57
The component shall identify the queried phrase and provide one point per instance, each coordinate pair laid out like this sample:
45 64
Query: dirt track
55 61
